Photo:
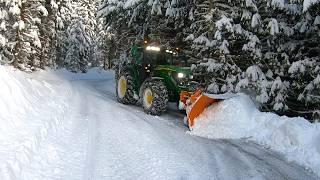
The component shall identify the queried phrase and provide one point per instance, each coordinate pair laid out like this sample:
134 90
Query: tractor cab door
137 54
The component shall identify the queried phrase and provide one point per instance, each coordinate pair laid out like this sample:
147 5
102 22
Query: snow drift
295 138
32 106
29 109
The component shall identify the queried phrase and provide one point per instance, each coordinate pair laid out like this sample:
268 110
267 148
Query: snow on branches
273 44
79 47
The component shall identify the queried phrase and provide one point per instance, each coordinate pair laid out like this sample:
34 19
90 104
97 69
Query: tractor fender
145 81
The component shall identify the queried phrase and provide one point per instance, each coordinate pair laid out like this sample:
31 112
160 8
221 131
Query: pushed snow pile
238 117
31 106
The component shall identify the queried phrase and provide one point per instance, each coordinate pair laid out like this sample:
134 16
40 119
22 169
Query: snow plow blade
195 103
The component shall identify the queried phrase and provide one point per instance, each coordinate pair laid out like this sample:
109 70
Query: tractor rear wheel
125 88
154 97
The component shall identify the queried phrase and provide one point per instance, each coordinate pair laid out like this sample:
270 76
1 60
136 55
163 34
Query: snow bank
31 106
295 138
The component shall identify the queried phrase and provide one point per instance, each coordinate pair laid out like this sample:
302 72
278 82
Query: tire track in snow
90 155
92 134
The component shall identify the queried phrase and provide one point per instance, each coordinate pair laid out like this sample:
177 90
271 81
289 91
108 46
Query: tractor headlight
191 77
181 75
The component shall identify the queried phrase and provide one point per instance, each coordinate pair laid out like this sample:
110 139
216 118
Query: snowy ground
63 126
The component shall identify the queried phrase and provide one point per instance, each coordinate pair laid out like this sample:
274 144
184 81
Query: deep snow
238 118
59 125
30 109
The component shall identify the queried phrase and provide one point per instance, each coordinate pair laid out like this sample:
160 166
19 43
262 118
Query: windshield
176 59
154 58
164 58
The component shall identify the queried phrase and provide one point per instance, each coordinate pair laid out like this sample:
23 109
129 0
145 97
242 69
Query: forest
268 49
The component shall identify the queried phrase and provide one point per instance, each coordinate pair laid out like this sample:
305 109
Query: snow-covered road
102 139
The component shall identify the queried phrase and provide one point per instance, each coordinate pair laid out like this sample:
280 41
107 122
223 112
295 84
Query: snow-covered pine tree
9 15
64 14
81 36
42 30
28 45
48 35
79 47
213 37
87 13
106 45
252 44
304 68
168 20
34 33
115 27
288 36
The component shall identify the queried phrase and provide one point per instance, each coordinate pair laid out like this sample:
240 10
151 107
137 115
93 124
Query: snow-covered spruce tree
304 69
252 44
21 19
81 36
86 11
106 45
288 36
64 14
214 37
79 47
9 15
168 19
48 35
115 22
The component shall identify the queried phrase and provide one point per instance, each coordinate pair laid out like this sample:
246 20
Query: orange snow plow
195 103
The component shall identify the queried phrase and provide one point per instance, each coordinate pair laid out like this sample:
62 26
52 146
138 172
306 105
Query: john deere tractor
152 77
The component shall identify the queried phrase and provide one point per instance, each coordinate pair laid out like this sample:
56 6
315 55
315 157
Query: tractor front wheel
154 97
125 88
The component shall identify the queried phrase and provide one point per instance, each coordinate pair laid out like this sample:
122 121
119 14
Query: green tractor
153 77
